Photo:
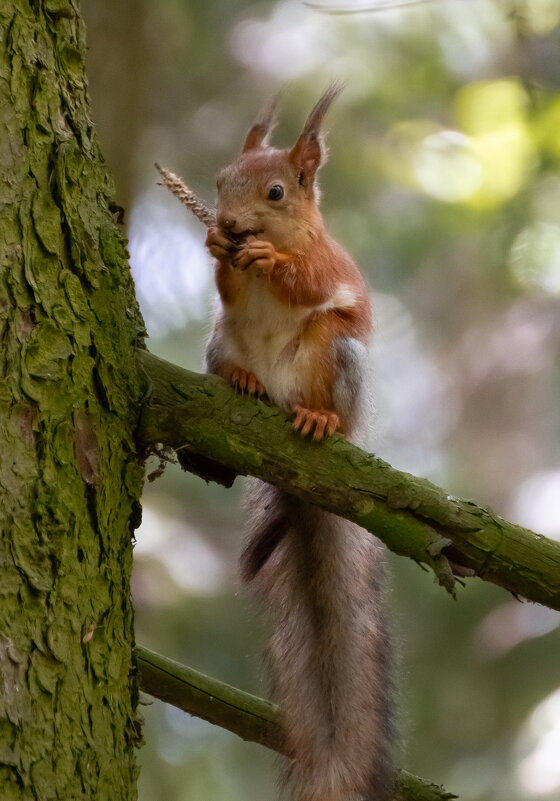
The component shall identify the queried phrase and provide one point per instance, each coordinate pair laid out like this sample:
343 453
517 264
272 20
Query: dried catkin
206 214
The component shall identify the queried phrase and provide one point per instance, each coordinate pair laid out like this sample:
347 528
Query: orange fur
307 281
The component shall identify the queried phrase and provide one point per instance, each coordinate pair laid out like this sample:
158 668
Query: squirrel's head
272 193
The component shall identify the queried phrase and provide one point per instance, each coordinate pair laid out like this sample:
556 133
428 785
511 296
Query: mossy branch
201 415
251 718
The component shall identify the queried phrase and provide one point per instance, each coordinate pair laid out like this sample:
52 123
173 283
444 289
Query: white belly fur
258 333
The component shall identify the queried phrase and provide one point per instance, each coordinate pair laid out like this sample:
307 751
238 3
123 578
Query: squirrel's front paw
257 252
320 422
219 245
244 381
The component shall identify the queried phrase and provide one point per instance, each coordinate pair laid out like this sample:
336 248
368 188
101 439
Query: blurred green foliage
443 182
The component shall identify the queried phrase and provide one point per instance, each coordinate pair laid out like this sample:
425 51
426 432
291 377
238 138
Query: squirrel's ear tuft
263 125
309 152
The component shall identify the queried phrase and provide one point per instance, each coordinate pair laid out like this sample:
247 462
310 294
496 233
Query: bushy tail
329 654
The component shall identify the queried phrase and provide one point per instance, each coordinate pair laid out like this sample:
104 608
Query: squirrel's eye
276 192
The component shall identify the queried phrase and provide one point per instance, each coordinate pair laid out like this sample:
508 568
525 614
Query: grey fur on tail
329 653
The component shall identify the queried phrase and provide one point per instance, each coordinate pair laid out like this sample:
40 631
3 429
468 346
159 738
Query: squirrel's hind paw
322 423
244 381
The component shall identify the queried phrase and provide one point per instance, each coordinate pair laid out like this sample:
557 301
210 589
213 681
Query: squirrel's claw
245 381
320 422
219 245
257 252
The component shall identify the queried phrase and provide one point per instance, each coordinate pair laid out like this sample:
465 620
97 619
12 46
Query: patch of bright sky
189 559
414 404
512 623
539 770
290 43
170 264
540 16
296 39
446 166
535 257
355 6
472 34
514 343
537 504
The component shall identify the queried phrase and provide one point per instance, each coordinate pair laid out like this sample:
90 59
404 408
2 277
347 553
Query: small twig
206 214
164 454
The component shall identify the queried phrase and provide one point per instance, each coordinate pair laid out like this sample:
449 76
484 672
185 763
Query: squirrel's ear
263 126
308 153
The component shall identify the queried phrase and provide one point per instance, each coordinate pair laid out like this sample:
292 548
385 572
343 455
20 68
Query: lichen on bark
69 482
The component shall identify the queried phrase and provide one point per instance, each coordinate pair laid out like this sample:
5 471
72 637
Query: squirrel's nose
227 223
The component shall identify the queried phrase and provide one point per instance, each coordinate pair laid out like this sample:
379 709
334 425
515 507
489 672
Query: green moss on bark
68 392
200 415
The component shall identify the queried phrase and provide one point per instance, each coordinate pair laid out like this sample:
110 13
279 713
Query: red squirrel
294 325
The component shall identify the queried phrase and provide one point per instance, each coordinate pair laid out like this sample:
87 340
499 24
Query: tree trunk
69 482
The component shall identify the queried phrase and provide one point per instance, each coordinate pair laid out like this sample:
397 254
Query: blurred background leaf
443 183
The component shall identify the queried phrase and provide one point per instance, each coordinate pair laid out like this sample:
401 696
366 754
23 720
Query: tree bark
200 415
69 483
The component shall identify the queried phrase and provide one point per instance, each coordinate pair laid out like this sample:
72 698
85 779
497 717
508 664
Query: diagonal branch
202 415
249 717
